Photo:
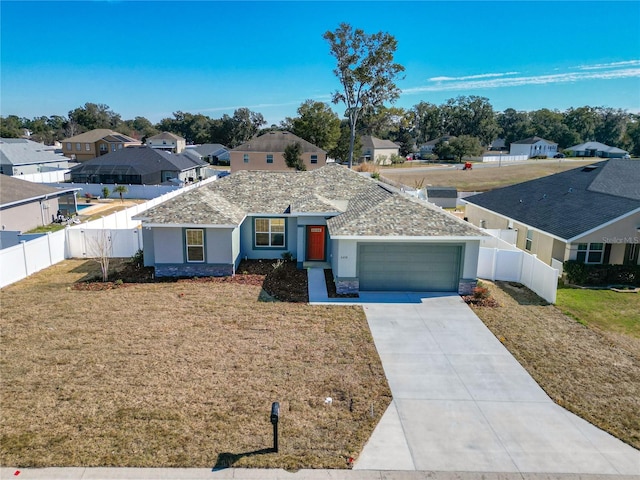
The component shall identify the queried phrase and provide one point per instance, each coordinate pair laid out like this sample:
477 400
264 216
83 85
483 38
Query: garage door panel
419 267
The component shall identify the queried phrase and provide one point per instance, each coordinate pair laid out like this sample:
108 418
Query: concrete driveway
463 403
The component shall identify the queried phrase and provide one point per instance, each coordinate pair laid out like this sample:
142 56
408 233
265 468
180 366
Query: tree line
316 122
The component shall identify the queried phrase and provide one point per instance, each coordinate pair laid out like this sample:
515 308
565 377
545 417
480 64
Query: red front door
315 242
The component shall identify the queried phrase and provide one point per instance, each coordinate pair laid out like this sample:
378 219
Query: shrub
397 159
601 275
138 258
105 192
480 293
287 256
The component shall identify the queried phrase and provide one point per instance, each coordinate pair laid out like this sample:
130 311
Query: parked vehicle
559 155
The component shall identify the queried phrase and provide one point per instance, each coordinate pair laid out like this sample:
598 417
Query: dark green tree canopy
293 156
316 123
366 70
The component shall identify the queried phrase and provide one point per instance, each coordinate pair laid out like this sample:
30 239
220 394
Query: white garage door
409 267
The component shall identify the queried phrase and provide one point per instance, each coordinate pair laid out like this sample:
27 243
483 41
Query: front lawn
592 372
605 309
180 374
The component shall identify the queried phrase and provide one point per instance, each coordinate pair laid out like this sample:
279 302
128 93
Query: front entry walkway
463 403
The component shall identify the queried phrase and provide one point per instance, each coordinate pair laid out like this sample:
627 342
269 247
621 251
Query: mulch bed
281 280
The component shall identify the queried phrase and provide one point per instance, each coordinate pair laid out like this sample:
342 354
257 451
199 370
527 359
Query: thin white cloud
482 82
471 77
599 66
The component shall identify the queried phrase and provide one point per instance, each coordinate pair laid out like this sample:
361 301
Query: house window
590 252
68 145
269 158
314 158
78 146
195 245
113 147
246 158
529 240
119 146
87 147
269 232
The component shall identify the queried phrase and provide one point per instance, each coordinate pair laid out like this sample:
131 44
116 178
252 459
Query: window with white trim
269 232
590 252
78 146
87 147
314 158
194 238
68 145
245 158
269 158
528 243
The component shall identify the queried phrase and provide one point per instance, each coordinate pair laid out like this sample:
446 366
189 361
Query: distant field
479 179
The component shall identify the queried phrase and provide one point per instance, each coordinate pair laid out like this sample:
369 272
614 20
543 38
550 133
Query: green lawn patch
605 309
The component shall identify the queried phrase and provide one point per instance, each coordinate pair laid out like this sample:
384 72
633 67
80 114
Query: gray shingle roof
570 203
19 151
276 142
137 160
165 136
371 142
532 140
14 190
597 146
362 206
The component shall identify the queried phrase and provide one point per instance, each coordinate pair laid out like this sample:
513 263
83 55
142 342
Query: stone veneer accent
466 286
193 270
347 285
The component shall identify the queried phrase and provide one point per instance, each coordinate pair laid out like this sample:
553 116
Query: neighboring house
590 214
445 197
498 145
19 156
214 153
139 166
377 150
266 152
533 147
373 238
597 149
95 143
167 141
427 148
27 205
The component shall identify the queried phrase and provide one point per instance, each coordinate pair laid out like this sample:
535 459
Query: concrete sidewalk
102 473
463 403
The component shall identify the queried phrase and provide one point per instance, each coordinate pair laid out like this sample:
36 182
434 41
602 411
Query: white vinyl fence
117 235
519 266
45 177
504 158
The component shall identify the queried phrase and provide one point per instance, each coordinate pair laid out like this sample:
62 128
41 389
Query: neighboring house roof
276 142
19 151
597 146
14 191
442 192
370 142
532 140
359 206
137 161
435 141
166 136
93 136
211 149
572 203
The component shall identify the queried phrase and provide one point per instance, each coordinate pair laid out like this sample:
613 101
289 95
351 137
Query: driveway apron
463 403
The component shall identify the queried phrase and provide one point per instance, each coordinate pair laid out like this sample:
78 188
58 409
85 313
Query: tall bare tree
366 70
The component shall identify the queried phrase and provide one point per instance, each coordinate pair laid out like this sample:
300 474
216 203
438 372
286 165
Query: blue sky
154 58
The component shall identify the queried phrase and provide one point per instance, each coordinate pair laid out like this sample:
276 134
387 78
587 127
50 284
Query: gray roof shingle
570 203
19 151
359 206
137 160
276 142
14 190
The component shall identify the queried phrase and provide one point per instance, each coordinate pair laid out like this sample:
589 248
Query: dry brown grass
180 374
593 373
479 179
